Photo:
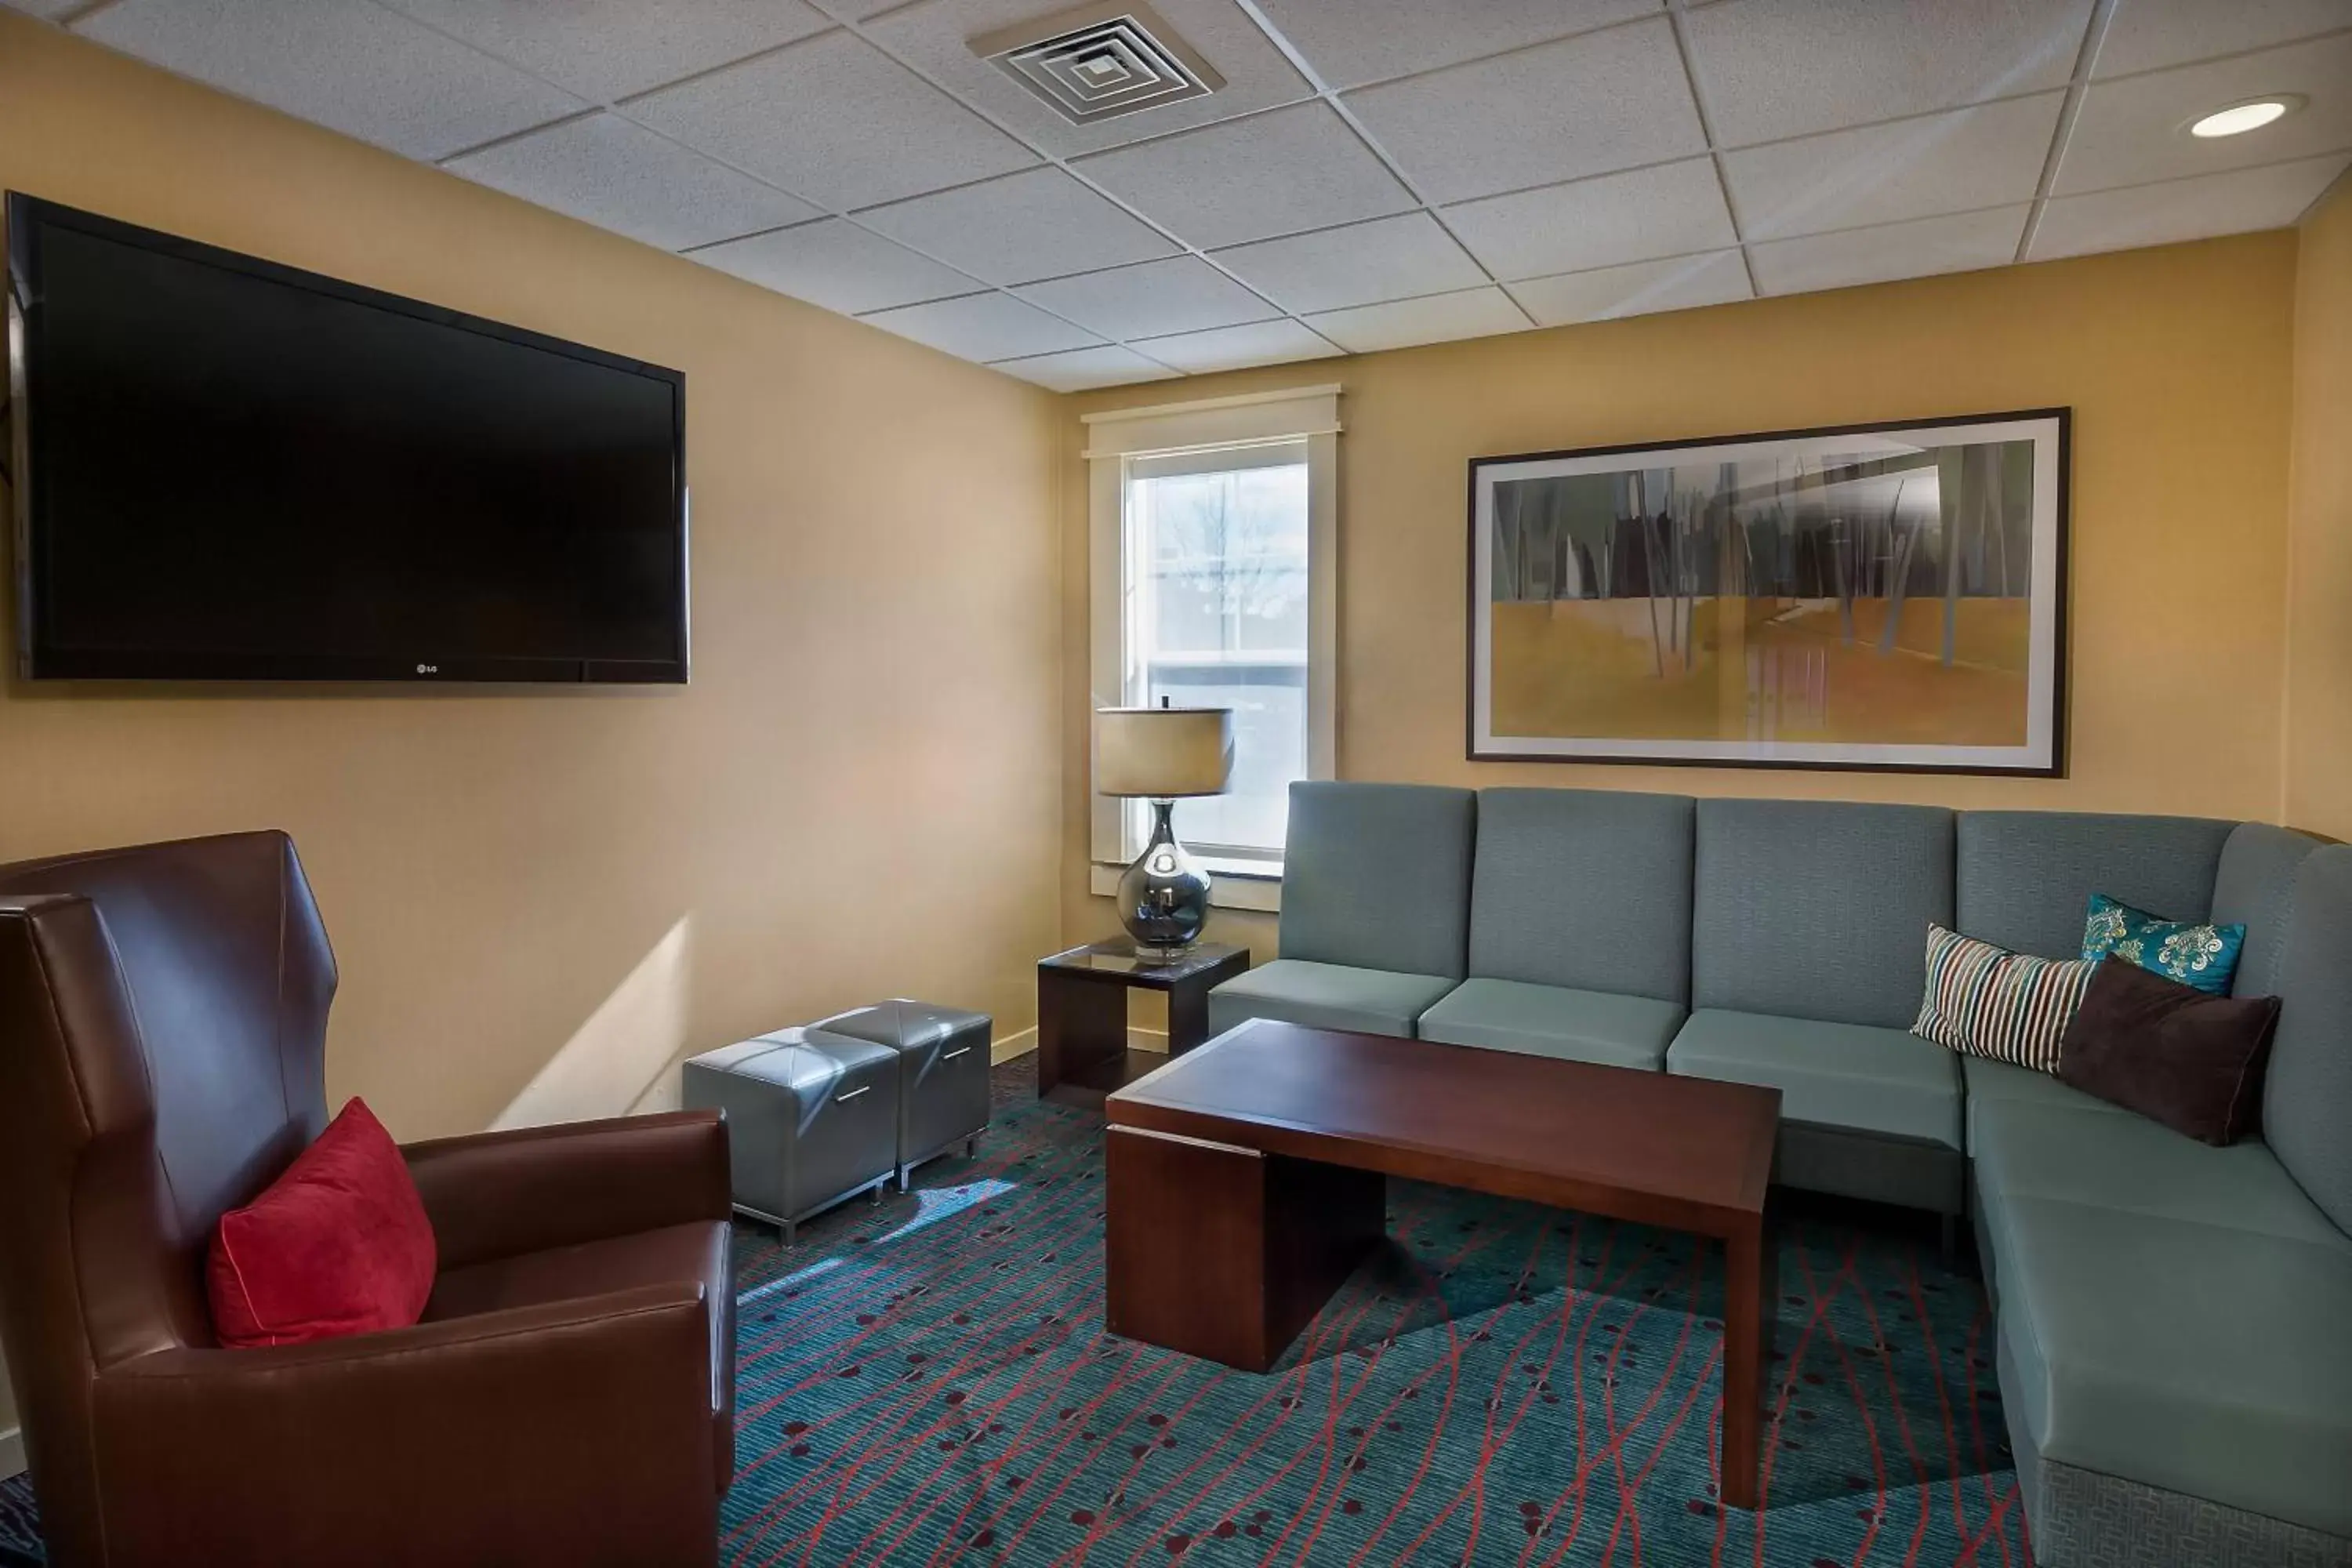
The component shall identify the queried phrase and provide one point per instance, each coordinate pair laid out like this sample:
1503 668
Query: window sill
1233 884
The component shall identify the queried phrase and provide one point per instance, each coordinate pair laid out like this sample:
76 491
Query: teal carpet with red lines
928 1382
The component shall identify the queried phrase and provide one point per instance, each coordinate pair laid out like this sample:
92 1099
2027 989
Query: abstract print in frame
1872 596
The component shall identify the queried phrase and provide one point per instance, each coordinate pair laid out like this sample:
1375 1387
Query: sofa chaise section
2169 1316
2172 1359
1991 1086
1375 910
1808 938
1579 928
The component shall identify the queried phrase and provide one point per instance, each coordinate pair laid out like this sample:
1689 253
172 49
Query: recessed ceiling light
2240 117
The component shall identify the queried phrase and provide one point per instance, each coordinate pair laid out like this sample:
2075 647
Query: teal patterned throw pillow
2204 956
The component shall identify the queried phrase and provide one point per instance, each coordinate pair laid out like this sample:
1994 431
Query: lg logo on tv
428 670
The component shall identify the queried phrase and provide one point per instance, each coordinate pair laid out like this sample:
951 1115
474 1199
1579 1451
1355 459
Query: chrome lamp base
1163 898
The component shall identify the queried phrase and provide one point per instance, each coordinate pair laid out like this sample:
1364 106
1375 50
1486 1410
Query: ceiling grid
1351 175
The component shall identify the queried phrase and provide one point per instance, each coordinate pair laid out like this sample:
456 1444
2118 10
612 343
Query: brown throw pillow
2169 1051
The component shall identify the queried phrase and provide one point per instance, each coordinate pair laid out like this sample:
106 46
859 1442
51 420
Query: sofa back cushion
1818 908
2307 1103
1586 889
2025 878
1377 875
2252 889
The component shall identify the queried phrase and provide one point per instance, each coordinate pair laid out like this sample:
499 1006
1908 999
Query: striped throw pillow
1991 1001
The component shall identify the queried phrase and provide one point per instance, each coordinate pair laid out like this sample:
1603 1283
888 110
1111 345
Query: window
1212 568
1216 564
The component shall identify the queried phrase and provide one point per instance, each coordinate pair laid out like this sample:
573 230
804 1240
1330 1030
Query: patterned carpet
926 1382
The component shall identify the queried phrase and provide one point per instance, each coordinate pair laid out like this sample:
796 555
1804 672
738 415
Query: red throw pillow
338 1245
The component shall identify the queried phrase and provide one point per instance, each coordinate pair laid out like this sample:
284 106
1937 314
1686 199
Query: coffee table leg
1222 1252
1750 1291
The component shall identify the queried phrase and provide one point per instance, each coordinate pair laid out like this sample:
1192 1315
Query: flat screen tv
228 469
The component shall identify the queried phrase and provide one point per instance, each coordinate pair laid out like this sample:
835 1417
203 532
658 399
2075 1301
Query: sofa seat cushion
2132 1165
1556 1021
2204 1359
1856 1077
1325 997
1992 1085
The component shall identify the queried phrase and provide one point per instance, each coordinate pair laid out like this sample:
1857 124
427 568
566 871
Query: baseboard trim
1022 1044
12 1452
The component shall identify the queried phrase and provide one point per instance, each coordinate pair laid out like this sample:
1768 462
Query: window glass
1218 590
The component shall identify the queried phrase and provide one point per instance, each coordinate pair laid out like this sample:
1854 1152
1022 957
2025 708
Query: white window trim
1308 413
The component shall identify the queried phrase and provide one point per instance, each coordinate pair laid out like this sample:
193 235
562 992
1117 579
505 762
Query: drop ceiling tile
836 121
1954 162
2148 34
933 36
1350 42
1294 169
604 49
1387 258
2229 202
49 10
1674 210
1644 288
1960 242
839 266
344 64
1438 318
1769 68
1037 223
2133 130
1237 348
1158 298
605 171
984 327
1079 370
1581 106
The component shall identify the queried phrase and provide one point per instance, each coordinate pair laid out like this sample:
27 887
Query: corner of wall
2315 764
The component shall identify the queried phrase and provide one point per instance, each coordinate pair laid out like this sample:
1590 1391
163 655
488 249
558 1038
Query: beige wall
858 795
2175 362
2319 606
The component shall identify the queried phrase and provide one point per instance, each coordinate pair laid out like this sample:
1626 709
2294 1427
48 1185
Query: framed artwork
1875 596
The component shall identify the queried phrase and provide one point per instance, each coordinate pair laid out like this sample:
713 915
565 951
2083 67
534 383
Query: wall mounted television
224 468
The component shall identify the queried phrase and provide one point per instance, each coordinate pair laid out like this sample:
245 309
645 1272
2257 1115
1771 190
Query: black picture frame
1486 746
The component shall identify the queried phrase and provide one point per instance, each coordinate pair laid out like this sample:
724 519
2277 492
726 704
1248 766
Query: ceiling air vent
1098 62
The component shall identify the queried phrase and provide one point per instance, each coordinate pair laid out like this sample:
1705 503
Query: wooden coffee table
1247 1179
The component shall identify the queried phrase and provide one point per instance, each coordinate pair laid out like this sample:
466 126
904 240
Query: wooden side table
1082 1052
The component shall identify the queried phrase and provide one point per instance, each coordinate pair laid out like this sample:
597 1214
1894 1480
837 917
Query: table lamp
1162 754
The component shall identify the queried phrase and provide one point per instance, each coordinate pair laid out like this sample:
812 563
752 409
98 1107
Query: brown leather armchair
568 1396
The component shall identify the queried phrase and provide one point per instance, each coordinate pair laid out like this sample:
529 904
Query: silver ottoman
943 1078
812 1119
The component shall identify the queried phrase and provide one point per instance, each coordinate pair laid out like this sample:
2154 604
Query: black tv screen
229 469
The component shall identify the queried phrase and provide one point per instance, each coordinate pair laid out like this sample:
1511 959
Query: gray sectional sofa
2175 1320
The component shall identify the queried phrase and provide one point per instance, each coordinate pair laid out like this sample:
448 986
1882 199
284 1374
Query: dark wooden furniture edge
1442 1167
1088 1083
1442 1164
1237 961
